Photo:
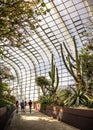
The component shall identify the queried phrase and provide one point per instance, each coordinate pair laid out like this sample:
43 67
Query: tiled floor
35 121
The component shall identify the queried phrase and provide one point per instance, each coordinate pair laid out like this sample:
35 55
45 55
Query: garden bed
80 118
5 113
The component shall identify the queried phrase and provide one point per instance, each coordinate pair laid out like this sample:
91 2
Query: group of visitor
23 105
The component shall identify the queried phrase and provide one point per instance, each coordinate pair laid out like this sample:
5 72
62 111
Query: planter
57 112
49 110
52 111
80 118
2 111
5 113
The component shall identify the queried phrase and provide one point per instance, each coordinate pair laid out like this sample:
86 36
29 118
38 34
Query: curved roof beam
12 67
35 51
24 66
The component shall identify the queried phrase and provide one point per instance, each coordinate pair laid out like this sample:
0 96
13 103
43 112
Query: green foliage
57 99
90 100
10 98
80 67
3 88
61 96
43 106
77 98
90 103
4 102
14 13
5 73
1 52
5 85
5 91
46 99
86 57
43 4
69 98
42 81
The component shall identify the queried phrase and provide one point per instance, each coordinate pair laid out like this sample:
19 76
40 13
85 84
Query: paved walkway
35 121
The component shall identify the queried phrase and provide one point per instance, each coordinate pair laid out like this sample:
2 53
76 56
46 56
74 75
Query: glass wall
67 18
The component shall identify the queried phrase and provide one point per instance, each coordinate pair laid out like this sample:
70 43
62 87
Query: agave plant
61 95
77 98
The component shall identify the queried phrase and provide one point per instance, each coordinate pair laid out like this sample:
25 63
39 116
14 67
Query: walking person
25 105
30 105
22 106
17 105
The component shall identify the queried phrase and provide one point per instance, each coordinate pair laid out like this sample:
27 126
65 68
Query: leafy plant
15 14
4 102
5 91
57 99
90 100
46 100
77 98
42 81
86 56
61 96
49 86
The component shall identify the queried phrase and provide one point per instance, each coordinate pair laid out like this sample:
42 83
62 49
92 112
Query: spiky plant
72 64
54 77
77 98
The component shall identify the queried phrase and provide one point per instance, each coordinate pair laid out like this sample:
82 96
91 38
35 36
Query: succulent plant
54 77
72 64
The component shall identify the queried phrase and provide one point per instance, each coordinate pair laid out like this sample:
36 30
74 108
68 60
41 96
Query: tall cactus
72 64
54 77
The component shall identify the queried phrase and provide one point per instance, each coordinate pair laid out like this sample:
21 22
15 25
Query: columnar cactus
72 64
54 77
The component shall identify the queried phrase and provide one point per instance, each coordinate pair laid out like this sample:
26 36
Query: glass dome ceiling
67 18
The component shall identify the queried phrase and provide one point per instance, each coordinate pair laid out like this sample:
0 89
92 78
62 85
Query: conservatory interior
46 56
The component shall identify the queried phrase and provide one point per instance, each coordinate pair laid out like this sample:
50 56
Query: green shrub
43 106
4 103
77 98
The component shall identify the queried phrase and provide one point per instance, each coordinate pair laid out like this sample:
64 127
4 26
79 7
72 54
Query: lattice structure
67 18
